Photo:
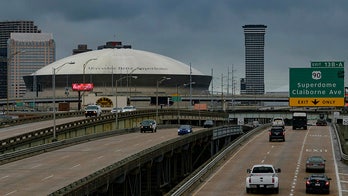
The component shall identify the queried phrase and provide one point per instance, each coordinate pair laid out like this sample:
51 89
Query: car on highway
318 183
116 110
185 129
315 163
321 122
278 122
93 111
129 108
262 177
277 133
208 124
148 125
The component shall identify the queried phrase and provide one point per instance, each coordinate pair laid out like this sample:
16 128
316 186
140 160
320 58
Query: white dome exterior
117 61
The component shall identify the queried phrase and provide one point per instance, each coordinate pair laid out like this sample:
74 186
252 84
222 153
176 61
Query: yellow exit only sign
323 102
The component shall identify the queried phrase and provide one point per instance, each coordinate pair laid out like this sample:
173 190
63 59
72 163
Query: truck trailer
299 120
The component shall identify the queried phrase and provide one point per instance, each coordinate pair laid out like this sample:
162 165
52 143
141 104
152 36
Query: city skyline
207 35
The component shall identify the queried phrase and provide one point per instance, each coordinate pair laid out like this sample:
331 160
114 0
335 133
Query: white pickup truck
262 177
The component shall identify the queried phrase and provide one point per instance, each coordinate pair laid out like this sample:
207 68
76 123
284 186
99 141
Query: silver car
315 163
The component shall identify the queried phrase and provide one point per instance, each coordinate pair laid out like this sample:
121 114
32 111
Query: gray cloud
208 34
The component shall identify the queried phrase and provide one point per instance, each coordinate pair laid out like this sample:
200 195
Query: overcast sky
208 34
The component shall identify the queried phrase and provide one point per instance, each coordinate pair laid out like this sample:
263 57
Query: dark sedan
185 129
321 122
318 183
208 124
148 125
315 163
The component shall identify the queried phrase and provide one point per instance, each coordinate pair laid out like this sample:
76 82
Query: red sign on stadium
82 86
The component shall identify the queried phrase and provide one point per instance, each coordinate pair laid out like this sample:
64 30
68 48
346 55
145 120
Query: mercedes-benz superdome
128 70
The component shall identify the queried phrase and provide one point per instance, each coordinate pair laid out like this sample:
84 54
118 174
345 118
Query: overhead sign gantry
316 86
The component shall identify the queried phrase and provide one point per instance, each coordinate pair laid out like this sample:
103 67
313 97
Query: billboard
82 86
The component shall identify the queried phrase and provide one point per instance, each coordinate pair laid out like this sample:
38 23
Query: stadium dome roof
117 61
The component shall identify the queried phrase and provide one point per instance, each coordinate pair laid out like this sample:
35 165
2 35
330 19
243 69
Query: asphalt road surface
290 156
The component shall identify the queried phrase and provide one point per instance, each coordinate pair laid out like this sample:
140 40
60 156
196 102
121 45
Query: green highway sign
316 87
176 98
327 64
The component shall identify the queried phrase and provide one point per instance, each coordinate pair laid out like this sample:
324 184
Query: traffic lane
12 131
230 177
319 143
48 172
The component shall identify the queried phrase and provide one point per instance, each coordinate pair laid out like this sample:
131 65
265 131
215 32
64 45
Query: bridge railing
45 135
339 134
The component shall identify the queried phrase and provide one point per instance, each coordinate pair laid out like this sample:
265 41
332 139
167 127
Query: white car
278 122
129 108
116 110
93 110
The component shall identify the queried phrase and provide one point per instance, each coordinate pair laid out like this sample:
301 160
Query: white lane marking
75 166
100 157
335 164
4 177
344 181
35 166
118 150
47 177
10 193
299 160
64 157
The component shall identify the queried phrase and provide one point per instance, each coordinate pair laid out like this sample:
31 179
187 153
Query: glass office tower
254 59
6 28
30 52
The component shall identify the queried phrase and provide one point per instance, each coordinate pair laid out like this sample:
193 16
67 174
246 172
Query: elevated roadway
67 167
12 131
48 172
290 156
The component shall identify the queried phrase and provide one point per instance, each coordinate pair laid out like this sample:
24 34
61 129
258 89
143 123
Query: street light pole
84 68
54 97
157 84
190 87
129 84
116 104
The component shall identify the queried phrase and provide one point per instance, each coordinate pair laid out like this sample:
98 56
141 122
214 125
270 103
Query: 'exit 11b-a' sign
316 87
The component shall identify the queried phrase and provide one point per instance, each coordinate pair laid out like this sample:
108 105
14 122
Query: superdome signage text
316 87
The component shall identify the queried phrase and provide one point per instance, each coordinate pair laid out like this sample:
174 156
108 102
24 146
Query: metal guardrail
27 152
37 117
10 143
344 156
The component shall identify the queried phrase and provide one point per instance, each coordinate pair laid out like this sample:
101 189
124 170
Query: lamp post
190 85
8 61
157 84
84 68
130 82
54 97
116 105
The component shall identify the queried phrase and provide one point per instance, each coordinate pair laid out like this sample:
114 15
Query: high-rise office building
30 52
254 59
6 28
